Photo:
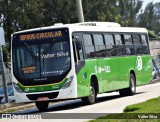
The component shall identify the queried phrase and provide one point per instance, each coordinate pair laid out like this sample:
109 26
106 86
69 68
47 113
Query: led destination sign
40 35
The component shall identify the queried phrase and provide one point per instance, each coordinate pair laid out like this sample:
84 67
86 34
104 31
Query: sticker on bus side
107 68
139 62
101 69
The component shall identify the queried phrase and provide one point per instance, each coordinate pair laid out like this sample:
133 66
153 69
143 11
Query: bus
78 61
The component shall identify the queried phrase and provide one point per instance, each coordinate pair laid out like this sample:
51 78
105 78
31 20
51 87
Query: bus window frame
122 34
147 43
139 34
122 43
74 34
84 46
100 33
114 44
131 44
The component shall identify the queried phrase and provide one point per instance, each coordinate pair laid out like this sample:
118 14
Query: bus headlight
68 83
17 87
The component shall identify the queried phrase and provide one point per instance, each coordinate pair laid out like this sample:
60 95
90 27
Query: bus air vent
36 96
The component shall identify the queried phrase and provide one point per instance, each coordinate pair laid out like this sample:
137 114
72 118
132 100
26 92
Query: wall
154 48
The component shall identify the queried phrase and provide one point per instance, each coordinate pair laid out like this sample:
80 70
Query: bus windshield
43 61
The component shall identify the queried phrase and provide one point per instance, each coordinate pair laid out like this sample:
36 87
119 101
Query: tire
132 87
42 106
155 76
91 99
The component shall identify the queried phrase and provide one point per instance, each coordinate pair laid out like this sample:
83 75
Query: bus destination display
41 35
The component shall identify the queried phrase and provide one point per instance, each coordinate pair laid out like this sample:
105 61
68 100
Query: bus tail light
68 83
17 87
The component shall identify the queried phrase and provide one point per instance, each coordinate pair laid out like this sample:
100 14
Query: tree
128 11
100 10
57 11
121 11
150 18
18 15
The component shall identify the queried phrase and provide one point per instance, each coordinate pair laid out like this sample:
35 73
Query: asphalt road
106 103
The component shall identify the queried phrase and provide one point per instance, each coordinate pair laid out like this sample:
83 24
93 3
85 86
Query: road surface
106 103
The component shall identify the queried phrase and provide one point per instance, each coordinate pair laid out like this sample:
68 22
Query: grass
7 111
136 113
150 106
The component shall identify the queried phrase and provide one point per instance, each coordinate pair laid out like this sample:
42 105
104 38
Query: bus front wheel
132 87
92 97
42 106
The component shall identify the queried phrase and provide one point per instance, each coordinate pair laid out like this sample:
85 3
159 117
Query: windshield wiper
30 51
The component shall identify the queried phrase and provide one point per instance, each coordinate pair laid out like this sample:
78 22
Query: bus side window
110 46
119 40
129 44
88 46
145 44
78 51
99 45
137 44
80 54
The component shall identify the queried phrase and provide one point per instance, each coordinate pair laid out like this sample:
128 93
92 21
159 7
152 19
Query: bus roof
92 26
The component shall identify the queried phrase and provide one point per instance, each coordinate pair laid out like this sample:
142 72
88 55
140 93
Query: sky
145 2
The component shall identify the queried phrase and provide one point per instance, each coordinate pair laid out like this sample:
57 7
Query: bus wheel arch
94 79
131 90
91 99
132 85
134 74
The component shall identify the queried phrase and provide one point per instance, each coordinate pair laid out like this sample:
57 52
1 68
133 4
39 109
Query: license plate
42 99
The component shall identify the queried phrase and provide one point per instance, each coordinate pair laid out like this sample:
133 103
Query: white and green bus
78 61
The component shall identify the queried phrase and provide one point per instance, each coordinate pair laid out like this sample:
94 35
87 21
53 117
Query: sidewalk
9 107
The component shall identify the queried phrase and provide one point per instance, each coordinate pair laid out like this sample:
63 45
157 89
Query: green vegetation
149 18
17 15
150 106
8 111
152 35
134 112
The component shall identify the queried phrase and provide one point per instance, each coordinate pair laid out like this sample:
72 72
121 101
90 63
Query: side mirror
79 45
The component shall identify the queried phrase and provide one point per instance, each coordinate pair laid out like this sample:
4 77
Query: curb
154 81
14 106
7 105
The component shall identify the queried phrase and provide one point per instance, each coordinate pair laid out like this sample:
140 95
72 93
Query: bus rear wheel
92 97
42 106
132 87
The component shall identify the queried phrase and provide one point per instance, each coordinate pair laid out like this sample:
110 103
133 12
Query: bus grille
36 96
